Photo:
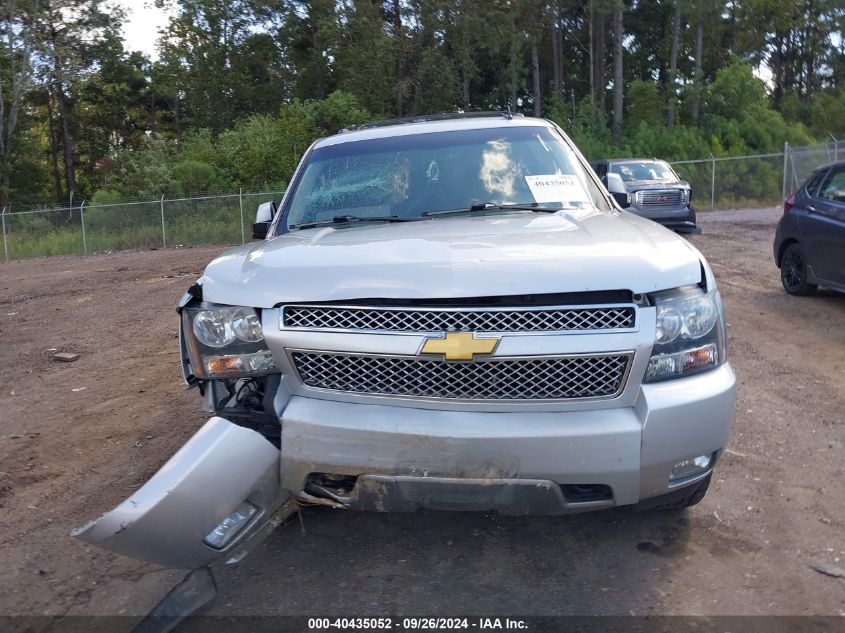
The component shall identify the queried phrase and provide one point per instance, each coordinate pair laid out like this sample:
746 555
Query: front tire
793 271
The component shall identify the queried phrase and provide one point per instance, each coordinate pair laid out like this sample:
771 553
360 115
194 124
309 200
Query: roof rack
442 116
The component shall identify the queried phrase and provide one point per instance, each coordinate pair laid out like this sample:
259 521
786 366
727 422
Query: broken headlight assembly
225 342
690 336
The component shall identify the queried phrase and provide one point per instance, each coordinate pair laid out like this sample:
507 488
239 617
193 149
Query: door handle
811 208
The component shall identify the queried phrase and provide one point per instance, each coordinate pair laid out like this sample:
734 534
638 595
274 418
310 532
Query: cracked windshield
411 176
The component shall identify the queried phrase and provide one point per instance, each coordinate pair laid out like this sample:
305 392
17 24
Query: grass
44 241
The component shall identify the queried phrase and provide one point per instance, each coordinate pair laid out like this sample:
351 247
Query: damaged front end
176 520
220 494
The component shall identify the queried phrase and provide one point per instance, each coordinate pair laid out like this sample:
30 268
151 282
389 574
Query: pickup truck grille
657 199
554 319
544 378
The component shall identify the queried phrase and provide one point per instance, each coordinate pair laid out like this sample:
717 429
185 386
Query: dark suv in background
809 243
656 191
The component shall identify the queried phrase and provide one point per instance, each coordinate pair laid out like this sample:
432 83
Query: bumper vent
459 320
558 378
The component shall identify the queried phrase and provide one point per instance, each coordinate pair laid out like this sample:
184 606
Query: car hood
477 256
640 185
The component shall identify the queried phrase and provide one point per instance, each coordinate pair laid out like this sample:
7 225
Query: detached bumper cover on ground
166 520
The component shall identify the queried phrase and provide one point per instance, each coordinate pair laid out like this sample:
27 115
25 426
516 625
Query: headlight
226 342
690 335
220 327
213 328
247 325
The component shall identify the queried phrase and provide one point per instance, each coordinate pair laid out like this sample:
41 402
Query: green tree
310 31
194 177
16 49
645 105
69 36
112 110
142 173
364 66
251 153
219 67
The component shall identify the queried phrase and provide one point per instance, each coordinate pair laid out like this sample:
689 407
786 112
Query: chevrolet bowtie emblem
459 346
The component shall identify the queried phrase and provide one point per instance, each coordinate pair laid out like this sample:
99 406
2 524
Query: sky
143 20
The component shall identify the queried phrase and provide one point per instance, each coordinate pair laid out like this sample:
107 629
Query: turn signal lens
672 365
232 364
699 358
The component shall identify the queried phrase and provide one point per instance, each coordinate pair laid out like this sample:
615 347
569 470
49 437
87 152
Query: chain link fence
800 162
84 229
758 181
737 182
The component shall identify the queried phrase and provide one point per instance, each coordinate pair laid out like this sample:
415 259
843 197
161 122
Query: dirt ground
76 438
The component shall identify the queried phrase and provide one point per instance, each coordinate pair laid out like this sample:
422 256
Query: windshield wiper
343 219
485 206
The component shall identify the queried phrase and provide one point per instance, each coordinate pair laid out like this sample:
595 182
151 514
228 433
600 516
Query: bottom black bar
375 623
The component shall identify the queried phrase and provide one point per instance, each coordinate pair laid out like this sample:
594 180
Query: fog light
690 467
222 535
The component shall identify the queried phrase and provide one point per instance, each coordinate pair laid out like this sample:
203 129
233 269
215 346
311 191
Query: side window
833 187
813 183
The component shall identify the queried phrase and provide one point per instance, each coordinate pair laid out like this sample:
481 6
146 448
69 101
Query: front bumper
681 227
682 219
403 459
512 462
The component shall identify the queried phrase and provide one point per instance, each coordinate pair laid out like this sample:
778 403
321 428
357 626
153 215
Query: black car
809 243
656 191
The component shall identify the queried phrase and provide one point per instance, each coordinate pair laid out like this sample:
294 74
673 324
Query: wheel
793 271
684 498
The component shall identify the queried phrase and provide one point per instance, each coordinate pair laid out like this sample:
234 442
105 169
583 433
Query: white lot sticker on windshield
556 188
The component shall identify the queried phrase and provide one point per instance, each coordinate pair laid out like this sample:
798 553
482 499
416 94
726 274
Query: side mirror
263 218
616 187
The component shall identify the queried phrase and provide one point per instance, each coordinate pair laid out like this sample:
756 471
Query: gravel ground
76 438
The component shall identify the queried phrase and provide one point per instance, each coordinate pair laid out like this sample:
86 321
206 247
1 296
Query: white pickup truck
443 313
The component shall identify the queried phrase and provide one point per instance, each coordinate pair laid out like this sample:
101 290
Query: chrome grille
459 320
550 378
654 198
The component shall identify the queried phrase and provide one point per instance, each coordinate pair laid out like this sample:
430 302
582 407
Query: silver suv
448 313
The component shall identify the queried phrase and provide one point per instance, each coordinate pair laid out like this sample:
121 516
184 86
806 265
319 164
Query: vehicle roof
840 163
631 160
427 127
